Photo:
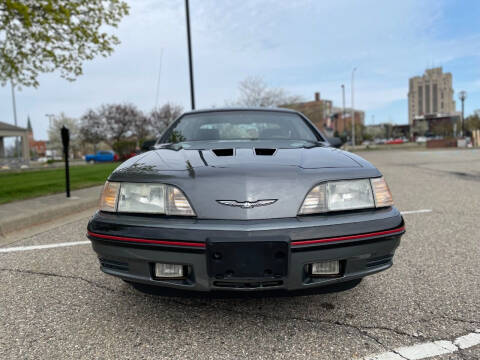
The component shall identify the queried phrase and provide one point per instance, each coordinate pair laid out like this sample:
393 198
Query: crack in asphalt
31 272
436 317
361 329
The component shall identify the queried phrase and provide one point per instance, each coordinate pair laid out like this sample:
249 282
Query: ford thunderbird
245 200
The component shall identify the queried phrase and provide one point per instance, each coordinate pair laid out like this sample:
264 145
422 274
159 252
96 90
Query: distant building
317 111
38 147
388 131
7 130
436 125
342 122
430 95
401 131
326 117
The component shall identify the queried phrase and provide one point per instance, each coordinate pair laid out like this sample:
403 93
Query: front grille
377 261
115 265
248 285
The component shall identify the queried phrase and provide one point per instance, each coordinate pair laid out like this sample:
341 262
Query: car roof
264 109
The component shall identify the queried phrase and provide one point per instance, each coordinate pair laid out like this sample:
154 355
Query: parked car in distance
127 156
395 141
101 156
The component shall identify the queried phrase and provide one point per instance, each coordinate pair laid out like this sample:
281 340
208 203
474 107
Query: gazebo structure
7 130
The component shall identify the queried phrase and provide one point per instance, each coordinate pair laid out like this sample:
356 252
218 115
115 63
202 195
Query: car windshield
240 125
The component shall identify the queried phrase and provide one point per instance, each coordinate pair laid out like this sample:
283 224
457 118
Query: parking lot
55 303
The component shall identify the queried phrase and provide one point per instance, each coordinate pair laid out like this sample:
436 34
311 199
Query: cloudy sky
302 46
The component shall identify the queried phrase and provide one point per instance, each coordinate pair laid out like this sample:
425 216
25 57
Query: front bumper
128 246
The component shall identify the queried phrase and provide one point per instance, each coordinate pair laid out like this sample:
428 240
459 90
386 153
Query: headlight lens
347 195
142 198
146 199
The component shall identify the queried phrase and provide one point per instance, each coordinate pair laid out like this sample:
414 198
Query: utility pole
50 119
190 61
158 79
343 103
462 95
14 104
353 108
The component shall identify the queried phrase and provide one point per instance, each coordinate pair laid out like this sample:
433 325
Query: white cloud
301 45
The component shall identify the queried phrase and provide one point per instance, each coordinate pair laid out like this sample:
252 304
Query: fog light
168 270
330 267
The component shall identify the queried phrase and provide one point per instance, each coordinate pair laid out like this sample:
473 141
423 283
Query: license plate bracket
252 259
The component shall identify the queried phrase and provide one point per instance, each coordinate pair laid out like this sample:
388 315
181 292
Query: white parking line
426 350
416 211
39 247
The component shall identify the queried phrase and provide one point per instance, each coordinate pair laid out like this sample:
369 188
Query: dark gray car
245 199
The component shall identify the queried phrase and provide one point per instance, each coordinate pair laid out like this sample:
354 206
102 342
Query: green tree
359 132
40 36
161 118
472 122
443 128
255 92
420 127
92 128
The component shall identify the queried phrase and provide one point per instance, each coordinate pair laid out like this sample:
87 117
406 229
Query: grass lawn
19 185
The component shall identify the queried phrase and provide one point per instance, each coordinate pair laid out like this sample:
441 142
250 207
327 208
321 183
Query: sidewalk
19 215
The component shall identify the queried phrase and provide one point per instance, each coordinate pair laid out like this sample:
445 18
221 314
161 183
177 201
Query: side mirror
148 145
335 142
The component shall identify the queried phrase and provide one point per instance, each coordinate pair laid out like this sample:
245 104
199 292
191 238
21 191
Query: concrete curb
23 214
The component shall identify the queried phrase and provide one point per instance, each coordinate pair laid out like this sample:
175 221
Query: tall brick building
430 95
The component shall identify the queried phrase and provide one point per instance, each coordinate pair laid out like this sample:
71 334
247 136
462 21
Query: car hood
231 154
206 175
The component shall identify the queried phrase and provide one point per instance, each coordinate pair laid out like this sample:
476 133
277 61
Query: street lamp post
190 61
353 108
462 95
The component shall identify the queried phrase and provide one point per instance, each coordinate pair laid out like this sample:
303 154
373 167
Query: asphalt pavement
55 303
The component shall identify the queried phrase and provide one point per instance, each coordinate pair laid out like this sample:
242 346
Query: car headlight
144 198
347 195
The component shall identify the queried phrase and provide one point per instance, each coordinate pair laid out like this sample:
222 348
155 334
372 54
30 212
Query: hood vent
265 152
223 152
